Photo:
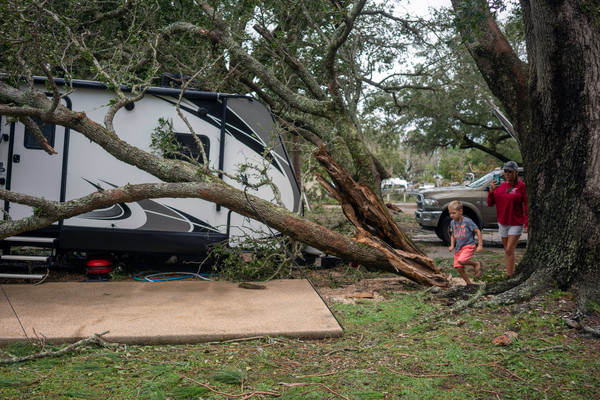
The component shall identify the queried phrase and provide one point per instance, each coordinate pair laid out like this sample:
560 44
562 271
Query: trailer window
189 147
48 131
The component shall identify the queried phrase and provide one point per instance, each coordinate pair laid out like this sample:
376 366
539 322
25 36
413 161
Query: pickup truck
432 205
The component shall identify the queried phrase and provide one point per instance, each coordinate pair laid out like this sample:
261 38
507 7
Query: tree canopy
443 101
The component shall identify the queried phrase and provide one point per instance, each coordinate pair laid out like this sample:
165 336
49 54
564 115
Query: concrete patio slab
172 312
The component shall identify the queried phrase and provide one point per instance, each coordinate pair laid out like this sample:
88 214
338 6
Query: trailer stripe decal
239 130
158 216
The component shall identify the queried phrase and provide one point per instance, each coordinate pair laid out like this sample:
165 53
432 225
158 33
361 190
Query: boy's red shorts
464 254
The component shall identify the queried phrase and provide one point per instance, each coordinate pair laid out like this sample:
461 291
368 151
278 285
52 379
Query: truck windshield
481 181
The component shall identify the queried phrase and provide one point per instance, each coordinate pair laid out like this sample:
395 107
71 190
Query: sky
422 6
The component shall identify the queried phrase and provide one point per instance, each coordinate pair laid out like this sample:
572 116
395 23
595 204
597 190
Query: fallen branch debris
420 376
242 396
314 384
94 339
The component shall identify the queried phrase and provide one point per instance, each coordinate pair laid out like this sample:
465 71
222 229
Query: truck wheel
443 229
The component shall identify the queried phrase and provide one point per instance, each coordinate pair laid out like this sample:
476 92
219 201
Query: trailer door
31 170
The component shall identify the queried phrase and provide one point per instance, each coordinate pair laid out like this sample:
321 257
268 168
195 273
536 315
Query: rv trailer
234 130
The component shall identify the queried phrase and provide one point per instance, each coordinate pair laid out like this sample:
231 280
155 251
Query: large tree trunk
560 145
561 151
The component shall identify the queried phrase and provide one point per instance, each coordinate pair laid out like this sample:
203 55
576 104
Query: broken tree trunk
394 252
375 227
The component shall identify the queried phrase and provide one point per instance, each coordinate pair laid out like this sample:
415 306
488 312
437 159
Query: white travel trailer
234 130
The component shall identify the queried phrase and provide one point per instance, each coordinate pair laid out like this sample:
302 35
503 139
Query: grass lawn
391 349
401 344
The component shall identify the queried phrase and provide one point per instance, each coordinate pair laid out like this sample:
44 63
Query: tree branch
396 88
506 75
293 63
42 64
314 107
339 38
37 134
114 14
34 103
465 121
94 339
472 144
404 22
296 126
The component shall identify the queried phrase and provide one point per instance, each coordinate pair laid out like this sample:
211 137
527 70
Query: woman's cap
511 166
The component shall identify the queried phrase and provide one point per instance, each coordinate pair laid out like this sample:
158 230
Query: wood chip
362 295
505 339
254 286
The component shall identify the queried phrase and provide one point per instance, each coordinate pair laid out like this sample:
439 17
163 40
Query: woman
510 199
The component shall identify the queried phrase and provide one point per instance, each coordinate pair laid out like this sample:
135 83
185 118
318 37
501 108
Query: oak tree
552 100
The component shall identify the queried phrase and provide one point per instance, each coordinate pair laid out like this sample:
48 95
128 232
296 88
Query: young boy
463 242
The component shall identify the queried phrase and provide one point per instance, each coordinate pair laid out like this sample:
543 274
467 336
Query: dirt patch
367 289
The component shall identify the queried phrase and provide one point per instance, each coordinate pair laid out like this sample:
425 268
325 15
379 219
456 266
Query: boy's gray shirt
463 232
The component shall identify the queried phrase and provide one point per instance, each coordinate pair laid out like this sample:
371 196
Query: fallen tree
317 101
394 254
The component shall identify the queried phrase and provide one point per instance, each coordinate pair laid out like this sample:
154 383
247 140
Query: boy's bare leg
463 274
478 267
475 264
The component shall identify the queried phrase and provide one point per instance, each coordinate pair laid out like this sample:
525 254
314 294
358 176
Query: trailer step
10 257
30 239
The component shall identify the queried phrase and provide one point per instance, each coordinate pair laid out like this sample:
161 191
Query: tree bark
562 148
559 135
500 66
375 226
362 207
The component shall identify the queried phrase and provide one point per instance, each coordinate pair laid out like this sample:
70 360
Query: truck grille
420 202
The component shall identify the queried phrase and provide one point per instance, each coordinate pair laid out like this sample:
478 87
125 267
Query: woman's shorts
464 254
512 230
